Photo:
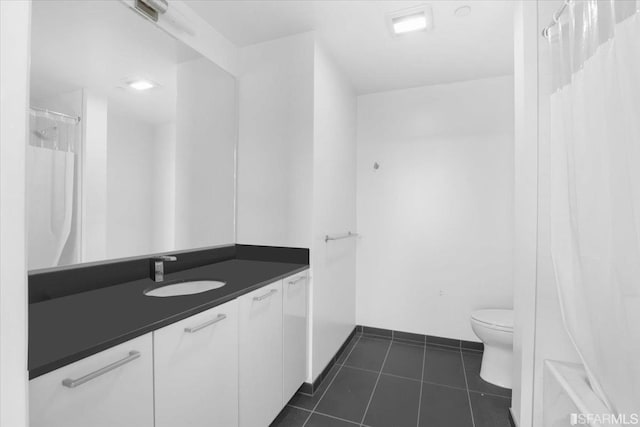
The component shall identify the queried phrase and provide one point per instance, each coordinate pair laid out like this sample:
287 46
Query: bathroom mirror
132 138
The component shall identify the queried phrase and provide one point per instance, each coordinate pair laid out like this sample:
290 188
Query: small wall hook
376 166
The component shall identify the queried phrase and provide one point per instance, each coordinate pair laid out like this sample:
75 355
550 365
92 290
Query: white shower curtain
51 172
49 204
595 194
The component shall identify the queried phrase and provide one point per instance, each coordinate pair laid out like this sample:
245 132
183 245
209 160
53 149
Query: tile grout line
423 340
357 339
325 415
421 344
445 385
358 368
401 341
329 385
299 407
376 384
424 360
337 418
350 351
484 393
464 371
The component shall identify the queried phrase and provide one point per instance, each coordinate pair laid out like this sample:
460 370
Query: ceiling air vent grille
151 9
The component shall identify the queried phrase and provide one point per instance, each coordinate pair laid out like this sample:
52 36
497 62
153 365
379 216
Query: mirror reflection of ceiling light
411 20
141 85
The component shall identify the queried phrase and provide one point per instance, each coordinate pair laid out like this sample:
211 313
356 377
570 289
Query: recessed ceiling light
409 23
411 20
462 11
141 84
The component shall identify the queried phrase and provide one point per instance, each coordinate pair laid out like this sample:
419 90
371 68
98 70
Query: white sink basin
184 288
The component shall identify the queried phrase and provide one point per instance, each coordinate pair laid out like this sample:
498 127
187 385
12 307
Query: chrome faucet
157 266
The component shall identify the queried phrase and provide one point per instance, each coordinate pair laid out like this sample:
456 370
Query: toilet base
496 366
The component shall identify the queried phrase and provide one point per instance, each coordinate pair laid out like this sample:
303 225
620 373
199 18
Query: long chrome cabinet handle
267 295
70 383
205 324
293 282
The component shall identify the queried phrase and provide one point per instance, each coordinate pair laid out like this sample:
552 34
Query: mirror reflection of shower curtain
51 174
595 192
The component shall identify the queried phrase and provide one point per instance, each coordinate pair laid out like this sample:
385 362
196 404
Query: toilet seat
501 320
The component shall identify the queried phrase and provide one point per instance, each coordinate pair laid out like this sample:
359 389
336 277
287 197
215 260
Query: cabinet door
113 388
196 370
294 325
260 367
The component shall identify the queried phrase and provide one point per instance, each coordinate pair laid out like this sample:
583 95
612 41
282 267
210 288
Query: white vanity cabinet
196 369
237 364
294 326
113 388
260 346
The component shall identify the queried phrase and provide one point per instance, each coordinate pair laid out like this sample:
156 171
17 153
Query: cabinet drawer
113 388
196 370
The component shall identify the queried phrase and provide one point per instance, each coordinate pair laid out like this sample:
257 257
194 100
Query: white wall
275 142
94 177
184 24
15 24
168 186
205 155
189 27
131 192
439 211
296 174
164 205
334 212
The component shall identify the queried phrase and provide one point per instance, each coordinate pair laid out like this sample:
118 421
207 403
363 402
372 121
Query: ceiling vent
151 9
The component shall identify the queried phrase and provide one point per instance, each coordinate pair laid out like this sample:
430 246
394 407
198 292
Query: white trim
15 28
526 35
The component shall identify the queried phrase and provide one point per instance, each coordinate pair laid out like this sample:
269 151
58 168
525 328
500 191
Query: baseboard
419 338
308 388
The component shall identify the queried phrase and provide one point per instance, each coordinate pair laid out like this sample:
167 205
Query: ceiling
89 45
356 35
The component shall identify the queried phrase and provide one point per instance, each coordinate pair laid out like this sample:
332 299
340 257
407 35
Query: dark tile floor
380 382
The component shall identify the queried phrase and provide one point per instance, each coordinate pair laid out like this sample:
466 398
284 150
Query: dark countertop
67 329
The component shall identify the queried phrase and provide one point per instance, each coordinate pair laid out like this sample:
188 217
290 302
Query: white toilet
495 330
